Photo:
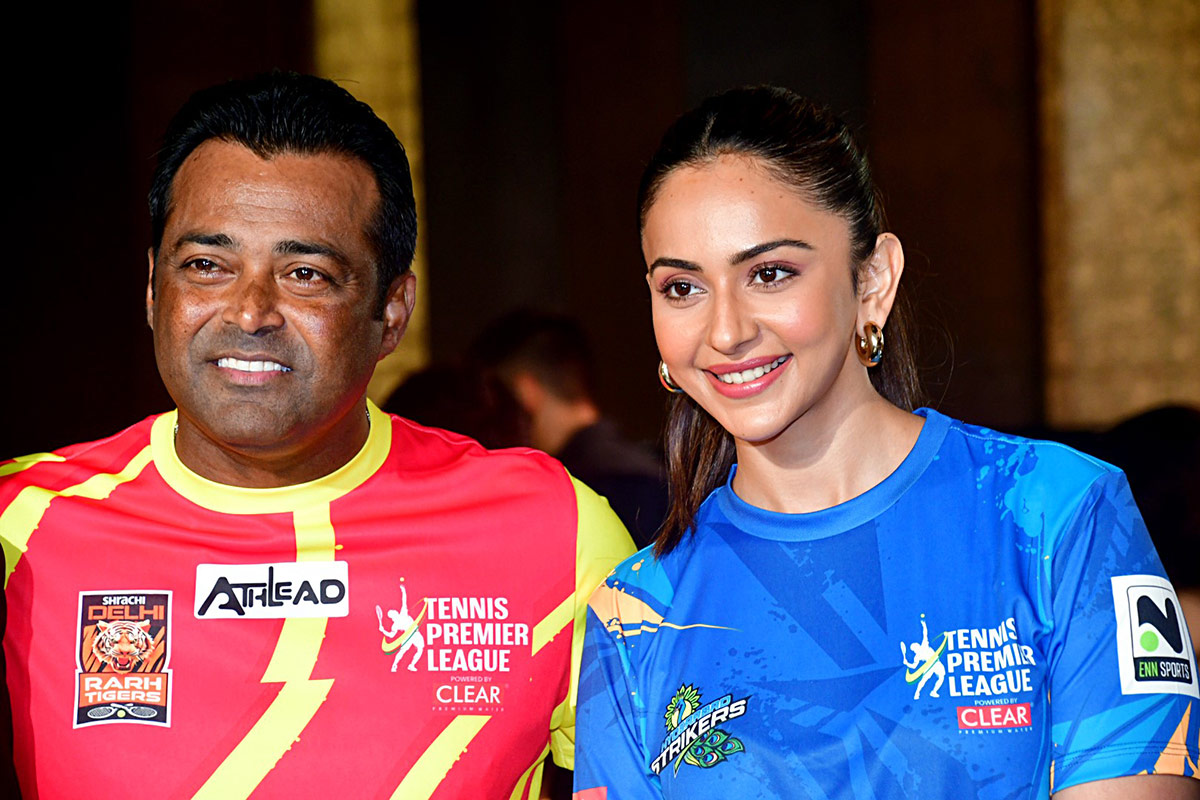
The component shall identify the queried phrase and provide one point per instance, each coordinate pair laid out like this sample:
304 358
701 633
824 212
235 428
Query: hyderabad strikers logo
692 733
121 658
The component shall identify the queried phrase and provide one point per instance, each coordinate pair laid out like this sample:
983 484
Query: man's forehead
221 173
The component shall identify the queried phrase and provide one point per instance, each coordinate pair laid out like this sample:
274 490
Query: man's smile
251 366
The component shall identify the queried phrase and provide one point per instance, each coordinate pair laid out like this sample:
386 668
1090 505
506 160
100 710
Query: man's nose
253 303
732 325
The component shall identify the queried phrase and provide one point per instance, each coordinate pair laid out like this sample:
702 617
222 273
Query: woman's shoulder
1019 455
639 592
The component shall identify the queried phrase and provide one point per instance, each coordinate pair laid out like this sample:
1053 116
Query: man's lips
250 370
747 377
251 364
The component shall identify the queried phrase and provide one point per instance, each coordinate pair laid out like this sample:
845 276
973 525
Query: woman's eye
679 289
771 274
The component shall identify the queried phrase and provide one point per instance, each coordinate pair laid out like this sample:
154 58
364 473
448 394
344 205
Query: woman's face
754 310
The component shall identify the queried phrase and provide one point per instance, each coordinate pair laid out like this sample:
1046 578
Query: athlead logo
272 591
1153 645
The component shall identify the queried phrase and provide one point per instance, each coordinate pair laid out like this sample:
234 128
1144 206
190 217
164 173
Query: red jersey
407 626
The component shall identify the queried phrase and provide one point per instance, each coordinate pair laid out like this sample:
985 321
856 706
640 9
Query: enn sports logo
1153 643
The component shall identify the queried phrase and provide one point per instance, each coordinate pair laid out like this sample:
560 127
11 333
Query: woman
818 525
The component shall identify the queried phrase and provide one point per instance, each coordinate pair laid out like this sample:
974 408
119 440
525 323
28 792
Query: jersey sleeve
1123 684
611 761
601 543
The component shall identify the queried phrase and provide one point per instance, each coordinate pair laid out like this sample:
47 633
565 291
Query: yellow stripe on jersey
535 771
283 500
267 741
291 664
545 631
21 463
25 512
601 542
433 765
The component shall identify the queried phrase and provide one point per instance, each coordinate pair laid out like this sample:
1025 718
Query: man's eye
306 274
202 265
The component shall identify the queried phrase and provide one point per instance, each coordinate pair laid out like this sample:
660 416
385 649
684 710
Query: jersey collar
285 499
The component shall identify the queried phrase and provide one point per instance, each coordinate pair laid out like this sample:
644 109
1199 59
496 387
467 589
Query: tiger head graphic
122 644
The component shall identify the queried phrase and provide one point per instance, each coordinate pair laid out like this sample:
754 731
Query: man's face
263 315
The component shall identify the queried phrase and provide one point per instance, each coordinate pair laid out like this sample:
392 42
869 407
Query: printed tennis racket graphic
104 712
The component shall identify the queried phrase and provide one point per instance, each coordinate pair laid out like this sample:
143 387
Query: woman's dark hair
805 146
284 112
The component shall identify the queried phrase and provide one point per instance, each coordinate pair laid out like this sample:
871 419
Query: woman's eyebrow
677 263
759 249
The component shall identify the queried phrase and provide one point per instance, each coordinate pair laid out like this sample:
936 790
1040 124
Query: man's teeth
252 366
751 374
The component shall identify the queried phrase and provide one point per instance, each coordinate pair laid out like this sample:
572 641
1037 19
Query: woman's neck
830 455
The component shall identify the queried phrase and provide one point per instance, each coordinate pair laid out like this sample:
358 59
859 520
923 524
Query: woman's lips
747 378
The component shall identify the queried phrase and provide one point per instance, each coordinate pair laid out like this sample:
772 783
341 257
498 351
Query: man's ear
879 281
397 310
528 390
150 288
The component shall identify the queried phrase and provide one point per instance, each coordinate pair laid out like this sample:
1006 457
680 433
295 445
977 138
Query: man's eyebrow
766 247
677 263
208 240
293 247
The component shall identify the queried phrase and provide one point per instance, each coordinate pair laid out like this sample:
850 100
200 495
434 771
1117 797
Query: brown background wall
535 130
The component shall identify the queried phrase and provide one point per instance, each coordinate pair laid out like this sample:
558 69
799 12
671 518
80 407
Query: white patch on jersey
1154 649
272 591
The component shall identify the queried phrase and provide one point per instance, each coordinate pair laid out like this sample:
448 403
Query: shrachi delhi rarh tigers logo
121 658
692 733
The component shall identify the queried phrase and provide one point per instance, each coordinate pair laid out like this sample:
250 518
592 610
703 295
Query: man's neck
559 420
276 464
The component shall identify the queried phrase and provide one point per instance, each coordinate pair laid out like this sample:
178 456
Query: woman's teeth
750 374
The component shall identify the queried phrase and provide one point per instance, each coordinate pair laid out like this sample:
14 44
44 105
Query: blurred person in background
820 521
464 400
545 361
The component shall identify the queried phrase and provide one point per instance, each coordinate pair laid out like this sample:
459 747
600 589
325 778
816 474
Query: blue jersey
990 621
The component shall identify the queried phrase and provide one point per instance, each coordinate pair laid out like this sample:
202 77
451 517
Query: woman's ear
879 280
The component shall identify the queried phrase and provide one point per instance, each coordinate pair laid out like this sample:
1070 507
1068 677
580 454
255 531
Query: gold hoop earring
870 345
664 377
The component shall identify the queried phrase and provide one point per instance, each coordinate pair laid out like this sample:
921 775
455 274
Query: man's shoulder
75 463
422 449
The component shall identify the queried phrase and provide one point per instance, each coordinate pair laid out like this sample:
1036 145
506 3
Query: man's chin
247 428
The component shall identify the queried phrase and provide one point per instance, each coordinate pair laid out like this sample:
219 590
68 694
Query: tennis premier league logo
1153 645
926 662
989 668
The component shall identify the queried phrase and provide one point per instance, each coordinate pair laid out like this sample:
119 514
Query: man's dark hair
285 113
552 347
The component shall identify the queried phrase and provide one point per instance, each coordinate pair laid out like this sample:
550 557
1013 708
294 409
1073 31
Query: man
192 602
545 362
